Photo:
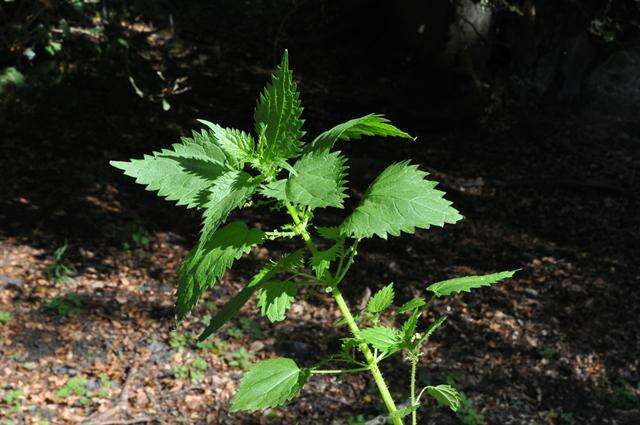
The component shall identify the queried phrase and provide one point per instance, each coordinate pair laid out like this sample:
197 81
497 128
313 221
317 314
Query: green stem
372 364
337 371
368 355
414 366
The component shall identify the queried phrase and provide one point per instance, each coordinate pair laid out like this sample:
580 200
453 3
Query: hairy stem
368 355
372 364
412 389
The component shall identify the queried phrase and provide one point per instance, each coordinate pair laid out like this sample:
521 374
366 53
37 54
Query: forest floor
553 193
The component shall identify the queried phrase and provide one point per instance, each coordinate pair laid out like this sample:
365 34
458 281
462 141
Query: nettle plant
219 170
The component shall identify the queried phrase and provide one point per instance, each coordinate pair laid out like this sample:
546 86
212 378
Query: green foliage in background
218 170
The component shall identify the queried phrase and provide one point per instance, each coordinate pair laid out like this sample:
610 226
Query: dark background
529 123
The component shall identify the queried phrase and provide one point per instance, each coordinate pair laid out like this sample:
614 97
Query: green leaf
400 199
381 337
413 304
330 233
288 262
277 116
466 284
446 396
182 173
269 383
369 125
409 327
206 263
238 145
405 411
321 260
433 327
317 180
381 300
275 298
230 191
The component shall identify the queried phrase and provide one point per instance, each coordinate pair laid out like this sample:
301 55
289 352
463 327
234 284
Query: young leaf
275 298
413 304
405 411
181 173
317 181
269 383
466 284
381 300
446 396
238 145
435 326
409 327
369 125
329 233
206 263
321 260
229 191
400 199
277 116
288 262
381 337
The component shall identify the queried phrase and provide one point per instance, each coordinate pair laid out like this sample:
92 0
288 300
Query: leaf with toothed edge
467 283
399 200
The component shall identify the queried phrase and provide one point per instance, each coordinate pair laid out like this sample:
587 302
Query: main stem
414 414
353 326
368 355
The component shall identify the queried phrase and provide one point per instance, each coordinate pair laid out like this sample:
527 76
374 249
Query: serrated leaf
277 116
381 337
288 262
409 327
317 180
433 327
230 191
321 260
466 284
206 263
238 145
181 173
446 396
413 304
399 200
330 233
269 383
405 411
369 125
381 300
275 298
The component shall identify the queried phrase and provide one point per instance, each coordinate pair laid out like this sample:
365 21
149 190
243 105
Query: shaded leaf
275 298
269 383
446 396
381 300
466 284
381 337
413 304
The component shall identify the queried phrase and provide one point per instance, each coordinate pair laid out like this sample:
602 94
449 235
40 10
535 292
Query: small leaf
317 180
369 125
413 304
460 284
269 383
399 200
446 396
321 260
237 144
405 411
381 337
409 327
275 298
277 116
287 263
381 300
433 327
330 233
